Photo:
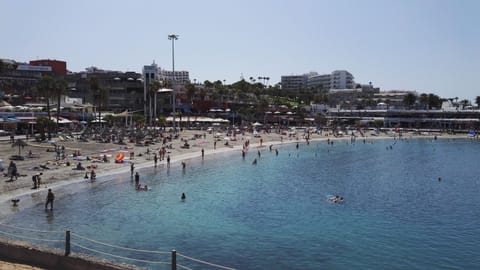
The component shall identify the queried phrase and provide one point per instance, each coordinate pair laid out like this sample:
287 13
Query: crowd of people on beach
161 154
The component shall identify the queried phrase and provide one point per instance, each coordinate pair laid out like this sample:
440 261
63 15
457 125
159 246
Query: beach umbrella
20 144
7 108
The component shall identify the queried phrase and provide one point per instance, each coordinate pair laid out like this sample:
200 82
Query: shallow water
396 213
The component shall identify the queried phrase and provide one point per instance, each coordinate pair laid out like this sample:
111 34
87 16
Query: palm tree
42 123
424 101
465 103
45 88
456 102
190 92
20 144
2 65
99 96
409 100
152 88
60 88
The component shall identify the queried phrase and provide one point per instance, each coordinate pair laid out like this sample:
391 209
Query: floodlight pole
173 37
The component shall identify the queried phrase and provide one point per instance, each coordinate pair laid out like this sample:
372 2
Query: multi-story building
154 72
319 81
18 79
338 79
341 79
180 77
124 90
294 81
57 67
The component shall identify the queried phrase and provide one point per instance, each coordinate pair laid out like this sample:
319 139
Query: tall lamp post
173 37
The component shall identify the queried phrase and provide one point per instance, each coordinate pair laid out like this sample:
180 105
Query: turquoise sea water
275 215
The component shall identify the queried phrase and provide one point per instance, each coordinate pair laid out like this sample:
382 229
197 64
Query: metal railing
70 239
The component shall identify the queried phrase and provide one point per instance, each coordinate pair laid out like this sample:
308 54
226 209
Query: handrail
204 262
118 256
68 242
119 247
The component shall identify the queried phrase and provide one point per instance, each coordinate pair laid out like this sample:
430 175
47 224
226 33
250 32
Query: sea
407 204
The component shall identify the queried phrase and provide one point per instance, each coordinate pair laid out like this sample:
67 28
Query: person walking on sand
39 179
50 198
34 179
168 161
155 159
132 167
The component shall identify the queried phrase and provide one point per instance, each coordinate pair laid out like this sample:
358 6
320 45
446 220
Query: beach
58 174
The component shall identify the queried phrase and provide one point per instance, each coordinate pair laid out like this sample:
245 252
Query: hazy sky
431 46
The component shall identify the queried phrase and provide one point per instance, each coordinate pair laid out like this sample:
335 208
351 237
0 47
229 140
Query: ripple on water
396 214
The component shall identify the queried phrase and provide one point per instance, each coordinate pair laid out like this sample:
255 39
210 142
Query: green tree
60 88
434 101
100 96
477 101
208 84
409 100
152 88
45 88
42 124
190 92
464 103
424 101
20 144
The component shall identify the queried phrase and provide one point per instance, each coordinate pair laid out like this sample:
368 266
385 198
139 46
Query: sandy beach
56 173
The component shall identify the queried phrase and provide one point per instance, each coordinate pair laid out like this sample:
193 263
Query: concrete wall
27 253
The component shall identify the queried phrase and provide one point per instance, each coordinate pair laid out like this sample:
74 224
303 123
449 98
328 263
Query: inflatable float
119 158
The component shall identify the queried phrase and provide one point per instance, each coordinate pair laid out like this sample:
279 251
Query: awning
61 120
12 119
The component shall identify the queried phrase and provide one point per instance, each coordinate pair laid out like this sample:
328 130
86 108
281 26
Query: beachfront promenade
58 173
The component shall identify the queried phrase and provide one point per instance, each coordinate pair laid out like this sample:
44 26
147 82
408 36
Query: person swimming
139 187
15 202
183 197
336 199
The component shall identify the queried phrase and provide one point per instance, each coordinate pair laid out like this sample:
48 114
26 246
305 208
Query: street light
173 37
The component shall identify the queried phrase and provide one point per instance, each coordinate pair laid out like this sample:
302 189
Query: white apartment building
338 79
341 79
319 81
181 77
154 72
294 81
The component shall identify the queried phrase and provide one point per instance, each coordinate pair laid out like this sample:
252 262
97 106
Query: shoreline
30 197
76 184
